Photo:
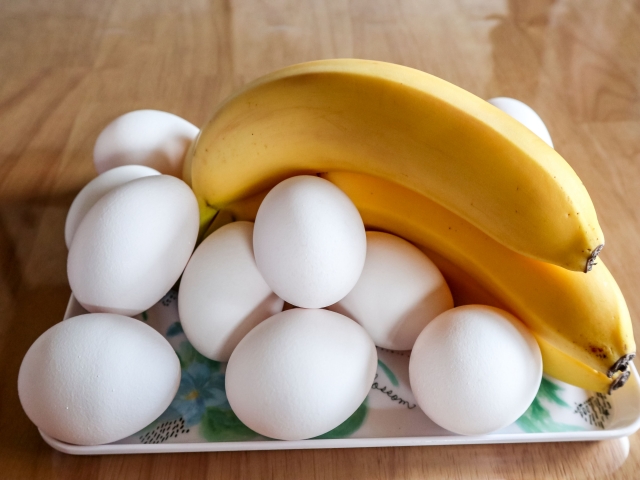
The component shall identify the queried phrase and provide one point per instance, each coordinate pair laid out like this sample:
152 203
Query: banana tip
619 382
621 365
591 261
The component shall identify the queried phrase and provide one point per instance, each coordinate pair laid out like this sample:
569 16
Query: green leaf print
537 418
350 425
387 371
549 391
188 355
222 425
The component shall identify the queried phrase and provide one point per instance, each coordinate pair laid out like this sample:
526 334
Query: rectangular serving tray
200 419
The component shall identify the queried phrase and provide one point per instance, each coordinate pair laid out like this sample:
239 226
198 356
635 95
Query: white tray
200 419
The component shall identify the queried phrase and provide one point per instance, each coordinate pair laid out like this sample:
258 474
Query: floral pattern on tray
200 411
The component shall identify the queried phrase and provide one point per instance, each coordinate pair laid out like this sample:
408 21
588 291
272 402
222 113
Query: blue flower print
199 388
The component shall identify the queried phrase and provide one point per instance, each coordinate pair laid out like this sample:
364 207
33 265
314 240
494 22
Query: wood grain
67 67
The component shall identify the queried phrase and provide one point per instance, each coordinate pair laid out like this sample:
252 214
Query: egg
399 292
300 373
132 245
524 114
96 189
159 140
222 294
97 378
475 369
309 242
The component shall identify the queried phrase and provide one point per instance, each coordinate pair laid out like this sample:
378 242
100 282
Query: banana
581 321
467 291
410 128
388 207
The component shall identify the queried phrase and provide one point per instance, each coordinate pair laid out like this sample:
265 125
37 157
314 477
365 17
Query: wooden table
67 67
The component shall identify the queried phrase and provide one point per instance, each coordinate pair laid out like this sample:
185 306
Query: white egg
300 373
222 294
399 291
475 369
153 138
97 378
309 242
133 244
96 189
524 114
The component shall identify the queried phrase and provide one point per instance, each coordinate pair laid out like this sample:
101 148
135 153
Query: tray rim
111 449
453 439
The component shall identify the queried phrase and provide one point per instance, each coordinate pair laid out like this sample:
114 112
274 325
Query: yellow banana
581 321
467 291
405 126
380 201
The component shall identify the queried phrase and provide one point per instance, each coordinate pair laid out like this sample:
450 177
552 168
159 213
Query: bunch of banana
436 165
408 127
581 321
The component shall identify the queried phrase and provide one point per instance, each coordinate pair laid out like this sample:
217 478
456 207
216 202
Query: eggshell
132 245
309 242
153 138
222 294
524 114
399 291
96 189
300 373
97 378
475 369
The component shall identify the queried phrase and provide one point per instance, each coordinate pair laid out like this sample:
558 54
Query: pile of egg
132 233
